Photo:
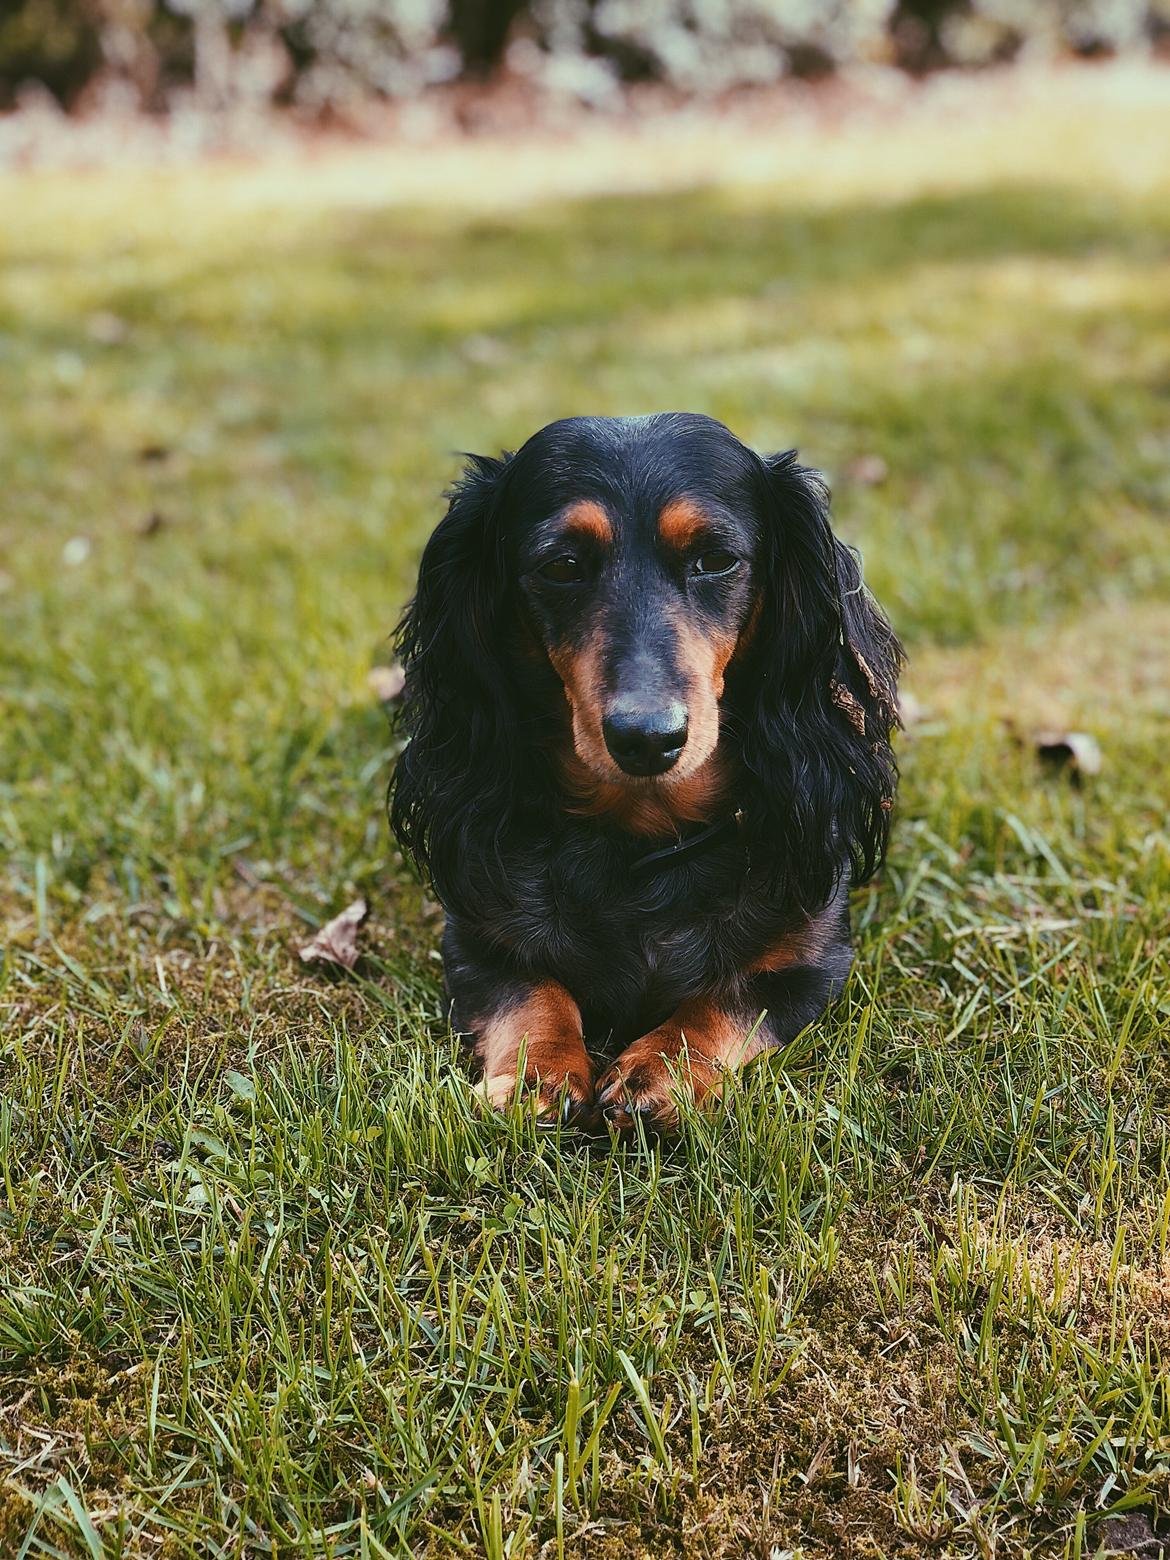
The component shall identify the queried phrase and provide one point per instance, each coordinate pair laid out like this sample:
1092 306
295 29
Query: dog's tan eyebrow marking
680 522
588 518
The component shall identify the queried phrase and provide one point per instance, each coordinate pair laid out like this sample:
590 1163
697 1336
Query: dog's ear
823 678
458 713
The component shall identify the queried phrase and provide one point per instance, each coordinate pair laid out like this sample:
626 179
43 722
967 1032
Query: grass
272 1284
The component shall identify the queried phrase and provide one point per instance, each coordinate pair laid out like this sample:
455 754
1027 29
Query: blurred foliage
55 42
329 54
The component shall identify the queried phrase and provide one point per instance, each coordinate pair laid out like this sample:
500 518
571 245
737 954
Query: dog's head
633 549
637 610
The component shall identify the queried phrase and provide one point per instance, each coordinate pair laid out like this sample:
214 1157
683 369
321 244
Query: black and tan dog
649 705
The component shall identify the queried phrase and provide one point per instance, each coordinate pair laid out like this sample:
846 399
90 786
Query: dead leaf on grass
1072 750
336 942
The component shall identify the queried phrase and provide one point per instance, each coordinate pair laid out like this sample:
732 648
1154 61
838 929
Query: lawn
272 1284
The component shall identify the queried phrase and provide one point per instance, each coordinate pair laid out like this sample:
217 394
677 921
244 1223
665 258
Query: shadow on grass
419 274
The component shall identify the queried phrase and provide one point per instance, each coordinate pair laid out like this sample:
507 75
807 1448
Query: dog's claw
625 1107
566 1107
559 1114
624 1120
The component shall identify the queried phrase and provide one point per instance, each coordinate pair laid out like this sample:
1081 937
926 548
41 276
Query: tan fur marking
748 632
580 672
696 787
547 1024
588 518
650 807
693 790
803 944
679 522
689 793
693 1051
703 659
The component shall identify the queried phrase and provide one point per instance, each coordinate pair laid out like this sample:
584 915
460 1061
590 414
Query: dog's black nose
646 741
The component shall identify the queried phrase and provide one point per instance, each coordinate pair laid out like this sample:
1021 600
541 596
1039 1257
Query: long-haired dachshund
648 706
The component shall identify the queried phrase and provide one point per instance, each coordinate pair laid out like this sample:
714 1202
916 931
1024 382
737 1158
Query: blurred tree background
324 56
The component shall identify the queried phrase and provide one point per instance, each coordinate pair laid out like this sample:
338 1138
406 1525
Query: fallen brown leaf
336 942
386 683
1074 750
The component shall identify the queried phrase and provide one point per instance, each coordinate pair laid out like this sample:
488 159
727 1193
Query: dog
648 707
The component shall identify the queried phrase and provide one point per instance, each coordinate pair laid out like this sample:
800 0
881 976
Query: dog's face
634 545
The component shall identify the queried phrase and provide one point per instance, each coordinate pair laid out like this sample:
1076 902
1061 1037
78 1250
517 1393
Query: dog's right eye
566 570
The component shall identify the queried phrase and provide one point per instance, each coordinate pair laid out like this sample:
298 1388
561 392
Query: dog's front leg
509 1017
544 1023
708 1039
690 1054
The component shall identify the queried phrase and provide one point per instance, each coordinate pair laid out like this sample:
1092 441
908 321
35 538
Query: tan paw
565 1096
647 1081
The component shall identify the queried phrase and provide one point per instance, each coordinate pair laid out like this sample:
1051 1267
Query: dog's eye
717 561
566 570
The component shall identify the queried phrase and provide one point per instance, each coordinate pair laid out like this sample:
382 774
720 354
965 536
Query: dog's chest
630 950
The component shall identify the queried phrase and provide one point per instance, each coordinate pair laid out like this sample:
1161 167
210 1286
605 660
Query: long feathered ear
822 698
453 777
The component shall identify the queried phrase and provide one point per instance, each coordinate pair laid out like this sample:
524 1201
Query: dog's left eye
566 570
717 561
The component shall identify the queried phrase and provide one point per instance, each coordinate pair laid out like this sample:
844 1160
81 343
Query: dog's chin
643 784
692 791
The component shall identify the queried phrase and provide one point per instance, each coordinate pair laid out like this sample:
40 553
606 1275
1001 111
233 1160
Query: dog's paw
647 1081
565 1097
